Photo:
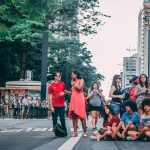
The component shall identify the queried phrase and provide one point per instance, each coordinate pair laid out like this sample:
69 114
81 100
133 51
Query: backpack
59 131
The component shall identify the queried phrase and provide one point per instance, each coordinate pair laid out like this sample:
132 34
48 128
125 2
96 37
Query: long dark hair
106 115
114 82
77 73
97 86
146 82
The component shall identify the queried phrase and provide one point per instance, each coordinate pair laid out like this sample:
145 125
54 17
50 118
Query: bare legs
95 115
75 124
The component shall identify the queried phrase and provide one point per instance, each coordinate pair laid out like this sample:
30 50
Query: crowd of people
29 107
127 116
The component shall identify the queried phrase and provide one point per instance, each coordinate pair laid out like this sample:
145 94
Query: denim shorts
116 107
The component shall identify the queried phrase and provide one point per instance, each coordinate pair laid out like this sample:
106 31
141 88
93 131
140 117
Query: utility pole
44 66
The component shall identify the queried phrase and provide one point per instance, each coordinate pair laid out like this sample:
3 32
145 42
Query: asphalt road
38 135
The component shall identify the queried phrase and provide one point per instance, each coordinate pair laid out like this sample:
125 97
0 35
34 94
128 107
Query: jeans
116 107
59 111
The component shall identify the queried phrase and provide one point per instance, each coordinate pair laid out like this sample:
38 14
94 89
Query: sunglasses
119 78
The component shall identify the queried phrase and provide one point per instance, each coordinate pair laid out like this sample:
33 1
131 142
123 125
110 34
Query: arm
50 102
101 95
89 95
137 93
114 96
80 86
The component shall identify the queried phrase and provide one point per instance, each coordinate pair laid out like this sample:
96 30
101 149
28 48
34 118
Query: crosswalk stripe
50 129
39 129
69 144
29 129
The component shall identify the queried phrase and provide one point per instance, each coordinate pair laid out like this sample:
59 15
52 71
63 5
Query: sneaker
93 137
129 138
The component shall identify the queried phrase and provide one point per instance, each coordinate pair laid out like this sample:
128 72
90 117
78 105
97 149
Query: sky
120 32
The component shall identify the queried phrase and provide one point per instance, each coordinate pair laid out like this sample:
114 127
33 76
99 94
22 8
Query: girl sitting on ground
110 123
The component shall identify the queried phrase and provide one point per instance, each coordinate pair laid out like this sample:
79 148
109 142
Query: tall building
144 38
130 69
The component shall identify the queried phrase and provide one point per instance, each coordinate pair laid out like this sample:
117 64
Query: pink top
77 102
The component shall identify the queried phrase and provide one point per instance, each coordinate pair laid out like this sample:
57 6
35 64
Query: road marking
20 130
9 130
29 129
68 145
50 129
39 129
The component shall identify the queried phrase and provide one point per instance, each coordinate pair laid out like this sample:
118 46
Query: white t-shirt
145 120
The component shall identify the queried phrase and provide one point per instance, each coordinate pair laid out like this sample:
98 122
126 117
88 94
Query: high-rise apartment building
144 38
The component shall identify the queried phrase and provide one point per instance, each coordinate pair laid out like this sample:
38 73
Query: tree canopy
22 24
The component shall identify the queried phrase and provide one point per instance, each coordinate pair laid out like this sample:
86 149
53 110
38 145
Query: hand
52 109
67 92
141 127
114 135
123 135
120 96
108 128
61 94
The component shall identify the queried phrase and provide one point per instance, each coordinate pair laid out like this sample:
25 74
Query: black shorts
94 108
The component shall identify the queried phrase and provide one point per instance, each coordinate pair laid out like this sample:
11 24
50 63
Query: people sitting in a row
130 126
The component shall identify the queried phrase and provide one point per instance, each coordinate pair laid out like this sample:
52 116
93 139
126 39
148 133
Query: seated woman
130 121
111 121
144 127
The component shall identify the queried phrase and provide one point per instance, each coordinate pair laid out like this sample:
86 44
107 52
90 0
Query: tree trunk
23 64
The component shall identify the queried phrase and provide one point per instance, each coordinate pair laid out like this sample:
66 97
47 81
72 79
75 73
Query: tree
22 24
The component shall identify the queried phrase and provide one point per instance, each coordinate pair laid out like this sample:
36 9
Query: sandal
75 134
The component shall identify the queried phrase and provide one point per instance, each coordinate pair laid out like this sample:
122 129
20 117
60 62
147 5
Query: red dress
77 103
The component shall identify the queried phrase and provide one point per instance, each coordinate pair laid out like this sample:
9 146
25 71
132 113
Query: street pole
44 66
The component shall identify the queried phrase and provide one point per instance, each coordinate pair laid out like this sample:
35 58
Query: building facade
131 68
144 38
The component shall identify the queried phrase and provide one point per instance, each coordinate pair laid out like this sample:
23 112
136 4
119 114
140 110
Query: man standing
56 92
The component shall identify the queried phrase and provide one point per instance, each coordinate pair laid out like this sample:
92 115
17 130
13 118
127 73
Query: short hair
132 105
146 101
55 74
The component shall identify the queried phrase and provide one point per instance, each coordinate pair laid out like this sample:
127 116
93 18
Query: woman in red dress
77 109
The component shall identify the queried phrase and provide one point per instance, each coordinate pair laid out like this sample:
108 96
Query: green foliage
22 24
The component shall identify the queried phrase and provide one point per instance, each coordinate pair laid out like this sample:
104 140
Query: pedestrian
77 109
95 104
110 123
116 94
134 83
16 107
56 92
130 121
141 91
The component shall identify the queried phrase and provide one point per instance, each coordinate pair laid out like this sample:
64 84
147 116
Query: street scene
38 135
74 74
